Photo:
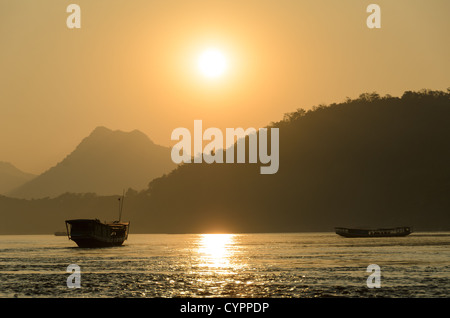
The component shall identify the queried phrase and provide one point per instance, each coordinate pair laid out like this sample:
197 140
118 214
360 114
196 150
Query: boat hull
88 242
391 232
93 233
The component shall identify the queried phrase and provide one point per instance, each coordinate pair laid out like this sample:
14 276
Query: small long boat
389 232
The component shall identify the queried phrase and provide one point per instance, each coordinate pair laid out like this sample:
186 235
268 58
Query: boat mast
121 205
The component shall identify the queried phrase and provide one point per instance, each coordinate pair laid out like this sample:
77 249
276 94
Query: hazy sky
133 64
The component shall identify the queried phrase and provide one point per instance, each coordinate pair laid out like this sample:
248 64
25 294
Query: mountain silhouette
105 163
367 162
372 161
11 177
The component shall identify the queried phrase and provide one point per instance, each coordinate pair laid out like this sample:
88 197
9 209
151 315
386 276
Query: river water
291 265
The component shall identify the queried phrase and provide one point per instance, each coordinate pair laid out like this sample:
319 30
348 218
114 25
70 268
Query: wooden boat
93 233
390 232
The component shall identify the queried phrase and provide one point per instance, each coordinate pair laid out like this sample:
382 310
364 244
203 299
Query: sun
212 63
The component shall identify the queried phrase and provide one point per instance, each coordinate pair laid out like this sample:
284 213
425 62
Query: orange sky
132 65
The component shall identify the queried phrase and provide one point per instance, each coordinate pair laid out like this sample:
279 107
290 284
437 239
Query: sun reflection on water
216 250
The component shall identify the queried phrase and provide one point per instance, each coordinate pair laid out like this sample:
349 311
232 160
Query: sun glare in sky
212 63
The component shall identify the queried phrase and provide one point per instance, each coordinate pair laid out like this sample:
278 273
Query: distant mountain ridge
105 163
12 177
369 162
373 161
